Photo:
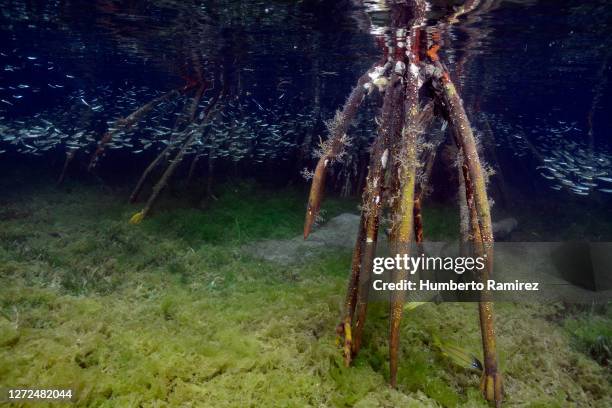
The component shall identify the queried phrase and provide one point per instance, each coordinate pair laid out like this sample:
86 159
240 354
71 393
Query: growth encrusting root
401 159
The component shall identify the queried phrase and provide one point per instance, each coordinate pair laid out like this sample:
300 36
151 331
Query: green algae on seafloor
592 334
142 315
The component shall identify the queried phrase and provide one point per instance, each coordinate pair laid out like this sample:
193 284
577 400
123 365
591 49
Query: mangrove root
167 150
397 181
480 219
334 146
69 157
163 181
127 122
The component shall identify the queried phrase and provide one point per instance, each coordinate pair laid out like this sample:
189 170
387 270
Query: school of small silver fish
564 157
248 127
244 128
267 122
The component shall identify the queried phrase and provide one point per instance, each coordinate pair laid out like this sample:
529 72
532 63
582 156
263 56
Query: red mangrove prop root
401 162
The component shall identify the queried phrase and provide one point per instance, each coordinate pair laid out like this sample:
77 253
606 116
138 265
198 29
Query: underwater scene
305 203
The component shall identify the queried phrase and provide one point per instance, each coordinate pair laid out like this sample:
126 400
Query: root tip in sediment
308 226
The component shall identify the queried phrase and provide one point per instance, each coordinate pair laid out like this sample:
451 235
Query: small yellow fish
408 306
137 218
457 355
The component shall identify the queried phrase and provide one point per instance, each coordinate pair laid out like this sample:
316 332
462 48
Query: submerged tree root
398 182
163 181
127 122
345 326
334 146
69 157
167 150
480 220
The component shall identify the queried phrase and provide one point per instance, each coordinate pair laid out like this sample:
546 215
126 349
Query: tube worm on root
333 147
163 181
482 235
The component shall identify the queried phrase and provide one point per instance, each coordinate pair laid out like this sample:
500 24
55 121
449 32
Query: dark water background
534 75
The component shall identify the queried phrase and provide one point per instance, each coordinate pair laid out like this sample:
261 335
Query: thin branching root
398 179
